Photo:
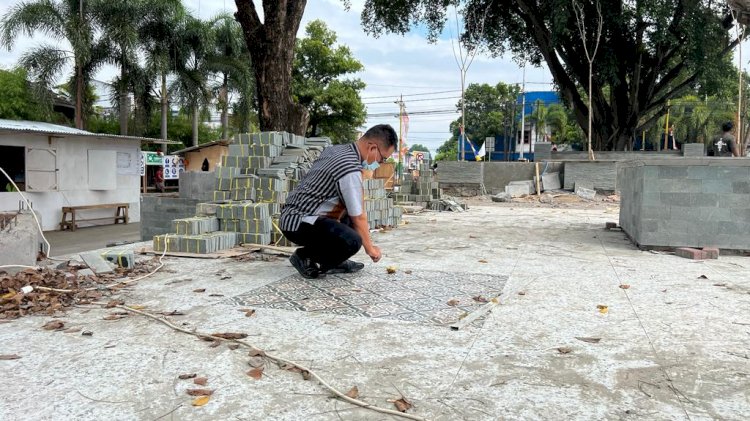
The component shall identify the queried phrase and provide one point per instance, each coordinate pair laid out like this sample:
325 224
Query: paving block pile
419 188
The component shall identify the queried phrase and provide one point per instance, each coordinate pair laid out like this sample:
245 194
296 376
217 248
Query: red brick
690 253
711 252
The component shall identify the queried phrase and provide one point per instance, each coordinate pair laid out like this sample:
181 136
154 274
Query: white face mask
371 166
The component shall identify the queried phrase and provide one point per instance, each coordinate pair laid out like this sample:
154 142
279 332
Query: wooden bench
121 214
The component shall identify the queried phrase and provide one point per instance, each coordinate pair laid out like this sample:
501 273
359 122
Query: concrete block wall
597 174
454 172
198 185
687 203
158 211
20 241
465 178
497 175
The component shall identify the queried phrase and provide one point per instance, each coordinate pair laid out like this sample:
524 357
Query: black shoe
348 266
306 267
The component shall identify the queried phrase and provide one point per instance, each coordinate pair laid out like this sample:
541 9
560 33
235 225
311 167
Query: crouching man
325 214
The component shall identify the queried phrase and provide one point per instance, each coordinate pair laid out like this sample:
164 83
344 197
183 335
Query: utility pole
523 111
400 166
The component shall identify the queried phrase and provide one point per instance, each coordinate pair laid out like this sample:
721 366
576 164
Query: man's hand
374 253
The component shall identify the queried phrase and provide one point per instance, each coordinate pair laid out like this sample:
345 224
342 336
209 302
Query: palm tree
230 60
63 20
540 117
190 87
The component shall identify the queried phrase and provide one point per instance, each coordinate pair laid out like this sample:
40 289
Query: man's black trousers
328 242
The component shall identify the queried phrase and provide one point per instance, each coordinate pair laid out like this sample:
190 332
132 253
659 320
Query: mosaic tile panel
420 296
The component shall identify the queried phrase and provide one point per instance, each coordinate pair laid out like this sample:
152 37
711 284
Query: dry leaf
482 261
72 330
495 300
453 302
9 295
214 344
200 290
353 392
408 272
589 340
200 392
256 373
114 303
201 400
256 362
230 335
391 269
521 292
602 309
233 346
256 353
306 375
137 307
186 376
114 317
703 277
6 357
463 316
625 286
402 405
479 299
565 350
249 312
224 278
53 325
201 381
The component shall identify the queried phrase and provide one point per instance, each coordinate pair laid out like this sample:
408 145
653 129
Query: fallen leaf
233 346
249 312
186 376
224 278
408 272
256 362
402 405
201 400
53 325
72 330
256 353
391 269
200 290
495 300
602 309
453 302
200 392
589 340
482 261
87 333
137 307
214 344
230 335
353 392
114 317
463 316
624 286
306 375
703 277
256 373
9 295
114 303
565 350
479 299
521 292
201 381
6 357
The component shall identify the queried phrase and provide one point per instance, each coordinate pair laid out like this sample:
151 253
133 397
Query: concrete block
19 242
518 189
742 187
675 199
551 181
711 252
584 193
96 262
501 197
693 150
673 172
690 253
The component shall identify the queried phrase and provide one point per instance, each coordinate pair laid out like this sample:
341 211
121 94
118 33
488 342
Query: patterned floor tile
417 297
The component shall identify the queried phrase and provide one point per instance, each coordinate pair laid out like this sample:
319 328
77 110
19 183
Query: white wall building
58 166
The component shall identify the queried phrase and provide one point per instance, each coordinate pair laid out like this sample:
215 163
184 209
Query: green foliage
17 101
448 151
318 84
649 51
418 147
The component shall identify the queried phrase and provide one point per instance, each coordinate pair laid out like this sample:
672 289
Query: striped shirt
320 184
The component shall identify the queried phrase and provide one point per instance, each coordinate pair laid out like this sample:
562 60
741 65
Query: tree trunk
79 97
124 111
164 110
271 44
196 117
225 107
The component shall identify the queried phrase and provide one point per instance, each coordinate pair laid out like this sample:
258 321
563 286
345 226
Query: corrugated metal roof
55 129
201 146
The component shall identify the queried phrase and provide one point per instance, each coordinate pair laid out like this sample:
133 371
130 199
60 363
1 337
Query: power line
415 100
419 94
413 87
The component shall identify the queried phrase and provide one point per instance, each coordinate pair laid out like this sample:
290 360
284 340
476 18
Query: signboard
152 158
490 142
420 156
173 166
143 163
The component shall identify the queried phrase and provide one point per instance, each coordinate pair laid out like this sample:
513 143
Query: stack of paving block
195 235
419 188
379 208
251 221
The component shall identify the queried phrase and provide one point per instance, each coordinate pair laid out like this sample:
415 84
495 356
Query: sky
425 74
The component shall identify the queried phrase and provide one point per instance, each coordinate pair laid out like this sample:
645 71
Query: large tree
320 84
650 50
62 20
271 44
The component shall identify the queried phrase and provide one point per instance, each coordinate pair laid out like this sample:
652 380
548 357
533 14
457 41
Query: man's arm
354 200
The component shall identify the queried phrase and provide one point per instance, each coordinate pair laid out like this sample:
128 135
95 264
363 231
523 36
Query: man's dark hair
727 127
384 133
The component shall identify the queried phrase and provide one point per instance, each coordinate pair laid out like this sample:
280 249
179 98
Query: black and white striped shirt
320 184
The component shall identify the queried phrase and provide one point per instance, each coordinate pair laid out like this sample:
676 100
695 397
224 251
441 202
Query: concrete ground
672 345
91 238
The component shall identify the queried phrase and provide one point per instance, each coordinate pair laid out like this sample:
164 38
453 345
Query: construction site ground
587 327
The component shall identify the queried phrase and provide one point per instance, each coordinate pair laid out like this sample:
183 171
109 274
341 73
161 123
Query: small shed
56 166
196 155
